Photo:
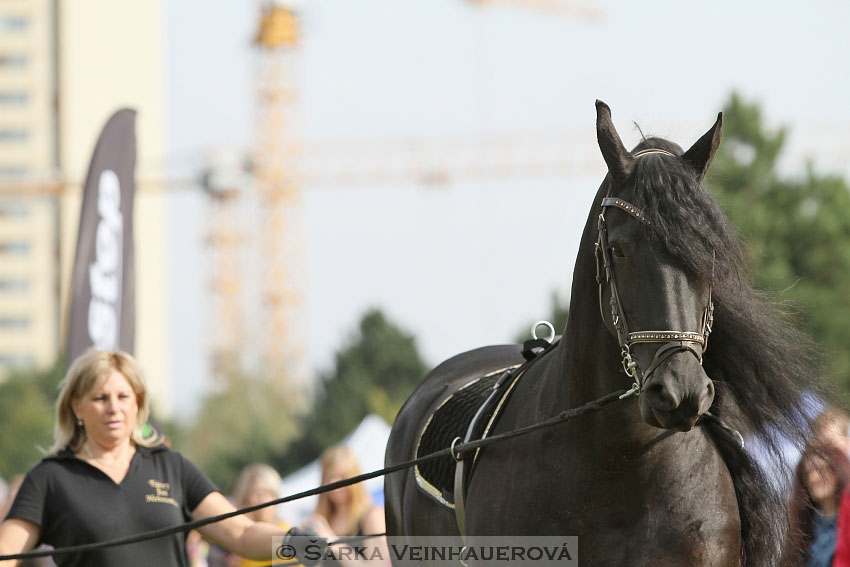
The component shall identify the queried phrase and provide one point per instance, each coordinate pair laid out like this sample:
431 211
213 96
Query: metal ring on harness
452 450
464 551
546 324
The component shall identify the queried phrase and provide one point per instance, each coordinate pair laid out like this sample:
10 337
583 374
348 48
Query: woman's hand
319 526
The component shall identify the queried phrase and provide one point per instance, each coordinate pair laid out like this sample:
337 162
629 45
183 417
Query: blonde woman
348 511
257 484
102 480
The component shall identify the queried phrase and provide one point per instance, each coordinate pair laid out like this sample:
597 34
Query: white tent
368 441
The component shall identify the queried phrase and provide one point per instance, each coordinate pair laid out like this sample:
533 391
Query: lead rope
564 416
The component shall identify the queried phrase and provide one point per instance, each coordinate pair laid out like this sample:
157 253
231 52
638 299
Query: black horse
653 479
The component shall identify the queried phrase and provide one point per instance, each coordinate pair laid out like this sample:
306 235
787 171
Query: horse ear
702 152
620 162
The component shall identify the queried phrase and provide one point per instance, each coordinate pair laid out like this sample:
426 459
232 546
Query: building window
17 247
13 60
11 285
13 135
13 23
14 209
13 97
16 361
13 171
14 322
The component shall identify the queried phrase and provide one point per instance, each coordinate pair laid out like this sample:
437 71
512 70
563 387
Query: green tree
27 399
797 229
251 420
374 373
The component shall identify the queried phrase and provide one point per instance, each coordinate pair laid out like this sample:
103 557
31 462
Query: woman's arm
238 534
374 549
17 536
375 523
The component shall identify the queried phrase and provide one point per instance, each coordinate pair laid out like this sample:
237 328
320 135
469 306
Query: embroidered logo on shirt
161 494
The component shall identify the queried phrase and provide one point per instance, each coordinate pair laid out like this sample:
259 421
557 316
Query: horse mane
762 366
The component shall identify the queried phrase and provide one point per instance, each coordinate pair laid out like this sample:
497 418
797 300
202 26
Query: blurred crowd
344 512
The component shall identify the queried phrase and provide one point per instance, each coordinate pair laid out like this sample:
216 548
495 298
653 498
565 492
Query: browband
626 206
654 151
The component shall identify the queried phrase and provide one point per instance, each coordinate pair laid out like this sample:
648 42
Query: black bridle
673 341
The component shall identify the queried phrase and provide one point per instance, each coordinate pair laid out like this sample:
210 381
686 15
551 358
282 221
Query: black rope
354 538
564 416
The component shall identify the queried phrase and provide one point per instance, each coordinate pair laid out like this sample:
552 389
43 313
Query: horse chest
663 514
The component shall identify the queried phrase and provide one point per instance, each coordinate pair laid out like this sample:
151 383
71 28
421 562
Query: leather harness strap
532 352
460 468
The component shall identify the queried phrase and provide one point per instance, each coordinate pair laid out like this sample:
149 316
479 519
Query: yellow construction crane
587 10
276 40
278 183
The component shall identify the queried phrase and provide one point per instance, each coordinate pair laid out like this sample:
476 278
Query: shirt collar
67 453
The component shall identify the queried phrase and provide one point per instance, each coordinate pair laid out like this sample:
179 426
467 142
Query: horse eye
617 252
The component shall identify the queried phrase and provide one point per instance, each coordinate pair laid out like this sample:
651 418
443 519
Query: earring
80 423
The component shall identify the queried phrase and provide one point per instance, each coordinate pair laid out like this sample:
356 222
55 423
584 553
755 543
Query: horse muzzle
676 393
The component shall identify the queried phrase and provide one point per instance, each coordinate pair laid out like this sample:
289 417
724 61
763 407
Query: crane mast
279 194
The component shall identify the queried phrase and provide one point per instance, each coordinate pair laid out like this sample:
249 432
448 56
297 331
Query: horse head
652 301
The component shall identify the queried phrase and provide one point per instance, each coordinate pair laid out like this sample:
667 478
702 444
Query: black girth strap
532 353
461 470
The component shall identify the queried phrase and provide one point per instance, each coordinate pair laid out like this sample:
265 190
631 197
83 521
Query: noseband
673 342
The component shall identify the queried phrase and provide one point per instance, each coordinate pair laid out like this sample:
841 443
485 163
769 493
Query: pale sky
469 263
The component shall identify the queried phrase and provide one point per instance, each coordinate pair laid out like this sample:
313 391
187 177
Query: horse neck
589 366
591 356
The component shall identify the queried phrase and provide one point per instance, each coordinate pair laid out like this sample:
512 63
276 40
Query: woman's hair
344 459
802 506
82 376
264 474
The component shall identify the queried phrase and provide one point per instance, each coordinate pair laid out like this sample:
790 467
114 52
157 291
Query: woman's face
108 410
820 480
335 473
259 493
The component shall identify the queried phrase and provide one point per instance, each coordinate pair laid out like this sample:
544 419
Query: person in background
820 480
5 498
197 550
15 484
257 484
103 480
4 493
348 511
831 427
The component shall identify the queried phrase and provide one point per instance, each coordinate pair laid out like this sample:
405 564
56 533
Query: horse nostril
662 398
704 403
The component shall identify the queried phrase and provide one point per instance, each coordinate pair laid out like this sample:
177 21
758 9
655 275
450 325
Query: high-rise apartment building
65 67
29 300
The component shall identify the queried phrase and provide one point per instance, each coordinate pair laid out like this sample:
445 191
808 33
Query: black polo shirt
75 503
